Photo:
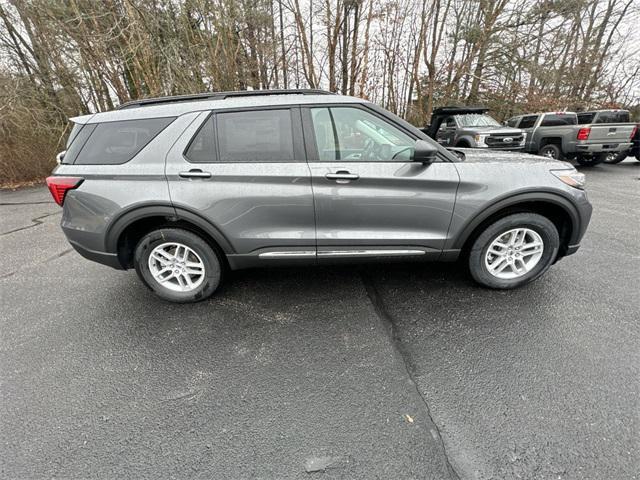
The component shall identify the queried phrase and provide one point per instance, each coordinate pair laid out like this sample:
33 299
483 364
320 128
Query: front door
245 172
370 198
446 134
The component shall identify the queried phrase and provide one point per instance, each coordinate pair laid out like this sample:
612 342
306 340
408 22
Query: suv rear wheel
514 250
179 266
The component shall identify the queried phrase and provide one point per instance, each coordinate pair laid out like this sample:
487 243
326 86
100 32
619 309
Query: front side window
512 122
255 136
528 121
353 134
114 143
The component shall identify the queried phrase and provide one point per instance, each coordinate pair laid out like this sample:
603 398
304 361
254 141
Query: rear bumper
109 259
603 147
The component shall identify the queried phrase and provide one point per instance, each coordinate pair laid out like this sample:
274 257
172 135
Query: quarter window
255 136
352 134
113 143
203 146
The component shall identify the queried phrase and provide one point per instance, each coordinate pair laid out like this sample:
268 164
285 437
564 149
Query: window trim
296 133
95 126
311 146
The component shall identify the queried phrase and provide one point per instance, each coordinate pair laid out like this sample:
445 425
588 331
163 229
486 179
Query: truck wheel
514 250
616 157
550 150
591 160
177 265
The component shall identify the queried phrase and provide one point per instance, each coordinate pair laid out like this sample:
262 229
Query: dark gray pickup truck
609 117
471 127
558 135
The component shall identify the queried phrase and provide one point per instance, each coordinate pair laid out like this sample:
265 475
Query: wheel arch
553 206
125 231
464 142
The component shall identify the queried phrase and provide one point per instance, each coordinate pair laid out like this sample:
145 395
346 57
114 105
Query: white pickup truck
559 135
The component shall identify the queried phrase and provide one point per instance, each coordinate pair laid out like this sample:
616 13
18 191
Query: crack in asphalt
384 315
46 260
36 221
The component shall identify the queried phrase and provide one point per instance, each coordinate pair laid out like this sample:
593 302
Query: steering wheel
371 151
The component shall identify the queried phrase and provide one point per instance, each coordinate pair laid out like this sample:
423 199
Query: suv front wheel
179 266
514 250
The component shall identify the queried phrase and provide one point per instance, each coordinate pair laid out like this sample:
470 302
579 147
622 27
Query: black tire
616 157
538 223
591 160
550 150
208 257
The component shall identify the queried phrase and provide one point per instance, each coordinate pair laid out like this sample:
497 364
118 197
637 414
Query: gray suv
184 189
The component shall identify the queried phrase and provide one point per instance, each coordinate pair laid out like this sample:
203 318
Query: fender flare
139 212
514 200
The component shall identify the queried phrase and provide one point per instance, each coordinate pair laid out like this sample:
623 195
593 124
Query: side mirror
424 152
60 157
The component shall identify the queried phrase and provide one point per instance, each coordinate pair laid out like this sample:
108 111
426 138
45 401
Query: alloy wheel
176 267
514 253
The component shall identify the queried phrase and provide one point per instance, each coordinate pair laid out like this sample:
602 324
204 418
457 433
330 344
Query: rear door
370 198
244 171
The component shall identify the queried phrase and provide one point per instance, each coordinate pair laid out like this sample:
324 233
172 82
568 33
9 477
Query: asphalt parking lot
390 372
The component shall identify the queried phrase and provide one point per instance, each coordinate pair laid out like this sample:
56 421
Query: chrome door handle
342 176
195 173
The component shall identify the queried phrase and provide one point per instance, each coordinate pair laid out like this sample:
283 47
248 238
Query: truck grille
502 140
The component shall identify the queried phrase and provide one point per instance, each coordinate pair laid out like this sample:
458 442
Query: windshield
476 120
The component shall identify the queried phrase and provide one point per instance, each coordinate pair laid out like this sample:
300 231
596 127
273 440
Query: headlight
524 138
480 140
573 178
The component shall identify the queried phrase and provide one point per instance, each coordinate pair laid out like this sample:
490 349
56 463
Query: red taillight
59 186
583 133
633 132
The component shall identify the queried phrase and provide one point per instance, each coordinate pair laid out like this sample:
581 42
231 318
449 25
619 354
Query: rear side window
528 121
255 136
559 119
621 116
113 143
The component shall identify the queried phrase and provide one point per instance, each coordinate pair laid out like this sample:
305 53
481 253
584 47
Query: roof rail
144 102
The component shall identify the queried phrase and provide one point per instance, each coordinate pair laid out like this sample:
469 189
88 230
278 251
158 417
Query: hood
477 155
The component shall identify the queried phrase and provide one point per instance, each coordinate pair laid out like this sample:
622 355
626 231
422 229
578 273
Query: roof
459 110
182 104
